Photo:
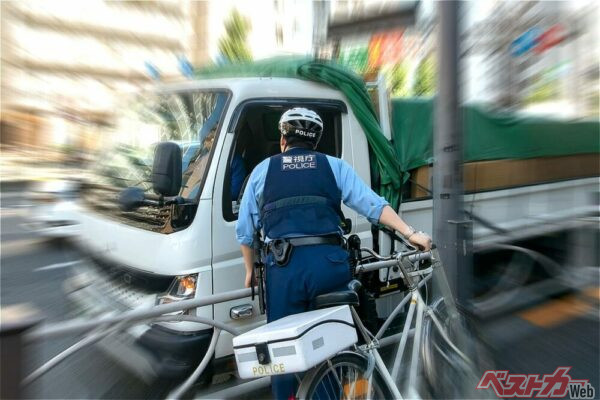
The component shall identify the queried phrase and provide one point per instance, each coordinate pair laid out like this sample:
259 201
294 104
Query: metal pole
450 227
185 386
75 326
16 320
103 332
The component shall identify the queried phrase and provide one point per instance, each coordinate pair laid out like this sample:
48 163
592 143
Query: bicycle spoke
337 378
328 376
346 375
340 387
352 390
322 388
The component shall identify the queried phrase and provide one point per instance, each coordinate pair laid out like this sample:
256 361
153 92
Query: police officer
295 198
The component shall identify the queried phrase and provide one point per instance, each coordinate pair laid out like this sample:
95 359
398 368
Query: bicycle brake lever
409 245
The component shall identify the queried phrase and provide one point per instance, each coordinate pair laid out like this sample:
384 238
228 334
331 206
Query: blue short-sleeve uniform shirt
355 194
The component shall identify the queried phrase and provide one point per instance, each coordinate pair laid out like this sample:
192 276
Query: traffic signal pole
451 228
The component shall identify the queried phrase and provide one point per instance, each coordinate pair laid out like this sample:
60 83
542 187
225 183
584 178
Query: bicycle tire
447 375
318 382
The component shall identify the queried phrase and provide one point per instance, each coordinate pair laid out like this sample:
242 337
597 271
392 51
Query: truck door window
257 138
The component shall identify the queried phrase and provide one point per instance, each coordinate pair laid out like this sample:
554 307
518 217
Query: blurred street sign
386 48
185 67
152 71
525 42
536 40
550 38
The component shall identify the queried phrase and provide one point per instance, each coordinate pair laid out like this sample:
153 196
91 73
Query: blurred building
64 63
381 36
533 56
536 55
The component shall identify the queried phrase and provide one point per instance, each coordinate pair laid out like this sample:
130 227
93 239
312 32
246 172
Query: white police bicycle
332 361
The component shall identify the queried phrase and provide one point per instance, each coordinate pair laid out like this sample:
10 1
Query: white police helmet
302 123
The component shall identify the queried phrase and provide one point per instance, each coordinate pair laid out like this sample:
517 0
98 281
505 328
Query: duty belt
282 248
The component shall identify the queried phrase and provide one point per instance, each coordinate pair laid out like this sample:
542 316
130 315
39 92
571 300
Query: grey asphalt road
32 271
532 341
563 331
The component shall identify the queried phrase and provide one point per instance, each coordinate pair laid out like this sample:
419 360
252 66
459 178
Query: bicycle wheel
448 374
343 377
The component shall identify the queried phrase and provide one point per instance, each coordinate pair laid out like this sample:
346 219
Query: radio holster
281 250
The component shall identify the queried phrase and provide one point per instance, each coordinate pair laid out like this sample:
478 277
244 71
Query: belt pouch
282 250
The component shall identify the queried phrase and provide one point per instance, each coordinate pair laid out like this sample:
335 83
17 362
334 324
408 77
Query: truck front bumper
149 351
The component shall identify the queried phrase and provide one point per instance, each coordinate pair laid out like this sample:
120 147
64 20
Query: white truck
154 255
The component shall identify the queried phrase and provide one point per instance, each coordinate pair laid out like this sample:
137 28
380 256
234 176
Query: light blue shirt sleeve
248 217
355 193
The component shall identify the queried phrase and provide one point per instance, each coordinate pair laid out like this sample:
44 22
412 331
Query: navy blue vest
300 197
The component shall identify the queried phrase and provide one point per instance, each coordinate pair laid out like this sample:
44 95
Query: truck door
251 137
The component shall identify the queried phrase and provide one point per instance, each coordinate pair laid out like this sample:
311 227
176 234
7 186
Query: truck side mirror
166 170
131 198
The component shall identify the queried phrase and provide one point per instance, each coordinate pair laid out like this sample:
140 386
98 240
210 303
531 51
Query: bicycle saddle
349 297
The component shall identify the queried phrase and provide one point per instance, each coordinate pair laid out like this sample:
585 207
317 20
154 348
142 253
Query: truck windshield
190 119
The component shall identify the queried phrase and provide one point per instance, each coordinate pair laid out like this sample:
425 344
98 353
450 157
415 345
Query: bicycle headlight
182 288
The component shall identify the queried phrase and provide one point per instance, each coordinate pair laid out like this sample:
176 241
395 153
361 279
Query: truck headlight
182 288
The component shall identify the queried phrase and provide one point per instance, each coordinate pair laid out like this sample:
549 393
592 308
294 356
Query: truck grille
104 199
127 287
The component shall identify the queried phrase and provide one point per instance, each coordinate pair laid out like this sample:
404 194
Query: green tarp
489 135
384 163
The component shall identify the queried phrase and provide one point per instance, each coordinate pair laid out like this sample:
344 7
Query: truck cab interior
257 137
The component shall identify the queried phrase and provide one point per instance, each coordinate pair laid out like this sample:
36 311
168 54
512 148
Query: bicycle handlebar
386 262
425 255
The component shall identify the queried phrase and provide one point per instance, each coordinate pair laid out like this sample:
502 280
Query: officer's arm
361 198
248 255
248 217
392 220
245 231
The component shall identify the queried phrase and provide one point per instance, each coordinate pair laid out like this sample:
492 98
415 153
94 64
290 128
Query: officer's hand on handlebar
420 240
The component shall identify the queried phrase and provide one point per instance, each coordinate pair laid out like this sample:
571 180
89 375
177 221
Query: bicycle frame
418 308
110 324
